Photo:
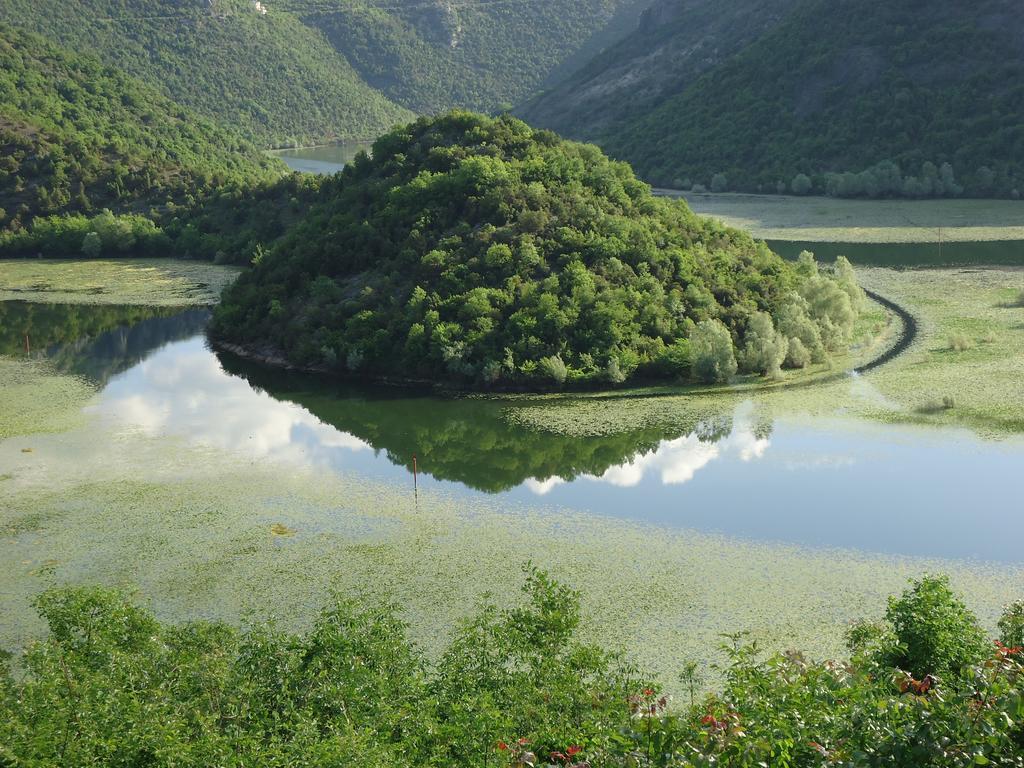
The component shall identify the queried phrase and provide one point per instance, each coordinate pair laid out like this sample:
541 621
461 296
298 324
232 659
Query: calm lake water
325 160
815 482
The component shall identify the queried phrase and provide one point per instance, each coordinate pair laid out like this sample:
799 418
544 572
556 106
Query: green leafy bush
713 358
110 685
1011 625
553 368
934 631
765 348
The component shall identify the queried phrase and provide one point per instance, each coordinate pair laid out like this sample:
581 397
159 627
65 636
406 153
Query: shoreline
275 359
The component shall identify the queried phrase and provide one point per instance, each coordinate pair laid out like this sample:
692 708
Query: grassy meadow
831 220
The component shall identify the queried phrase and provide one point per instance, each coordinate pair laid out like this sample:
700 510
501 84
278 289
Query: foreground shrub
112 686
1011 625
935 633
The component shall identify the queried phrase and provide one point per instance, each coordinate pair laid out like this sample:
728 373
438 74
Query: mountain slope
268 74
831 91
76 136
431 55
294 71
673 43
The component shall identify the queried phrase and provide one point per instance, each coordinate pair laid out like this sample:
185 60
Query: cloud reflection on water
678 460
182 390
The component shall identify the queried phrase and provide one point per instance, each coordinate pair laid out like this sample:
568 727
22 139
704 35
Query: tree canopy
76 136
479 252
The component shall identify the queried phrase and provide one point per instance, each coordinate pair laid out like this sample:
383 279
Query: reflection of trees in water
468 440
94 341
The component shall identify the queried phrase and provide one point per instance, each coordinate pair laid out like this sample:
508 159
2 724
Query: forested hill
479 252
300 71
830 90
268 75
76 136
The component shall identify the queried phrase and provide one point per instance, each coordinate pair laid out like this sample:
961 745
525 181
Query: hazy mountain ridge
304 71
431 56
672 44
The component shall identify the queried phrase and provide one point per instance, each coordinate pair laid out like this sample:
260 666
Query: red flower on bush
1003 651
502 746
573 751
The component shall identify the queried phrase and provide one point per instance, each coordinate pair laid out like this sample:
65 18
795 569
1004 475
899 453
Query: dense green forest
867 98
78 137
480 252
267 75
516 687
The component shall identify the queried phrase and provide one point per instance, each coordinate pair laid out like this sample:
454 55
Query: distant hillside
436 54
268 75
300 71
76 136
862 97
671 44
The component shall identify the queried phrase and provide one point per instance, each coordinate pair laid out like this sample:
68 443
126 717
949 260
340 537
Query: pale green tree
92 245
764 348
713 357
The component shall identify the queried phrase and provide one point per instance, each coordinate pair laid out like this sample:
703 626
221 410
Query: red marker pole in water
28 349
415 481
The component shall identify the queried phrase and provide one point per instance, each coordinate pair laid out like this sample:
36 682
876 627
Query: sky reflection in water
826 483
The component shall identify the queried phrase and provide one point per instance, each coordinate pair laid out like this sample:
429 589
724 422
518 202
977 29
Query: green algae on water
37 399
192 538
154 282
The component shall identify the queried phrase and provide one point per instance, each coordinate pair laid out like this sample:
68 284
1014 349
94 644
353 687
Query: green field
831 220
